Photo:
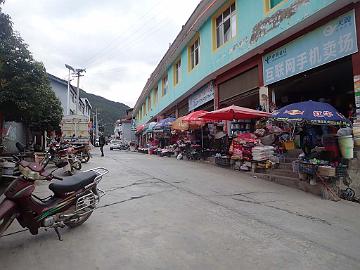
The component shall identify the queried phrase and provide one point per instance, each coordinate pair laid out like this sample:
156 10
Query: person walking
102 143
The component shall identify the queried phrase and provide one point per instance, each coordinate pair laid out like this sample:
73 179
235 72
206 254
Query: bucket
346 144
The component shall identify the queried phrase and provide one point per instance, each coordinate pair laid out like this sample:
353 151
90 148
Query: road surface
161 213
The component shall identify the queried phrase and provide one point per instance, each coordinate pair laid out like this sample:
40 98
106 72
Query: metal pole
97 126
93 128
77 92
68 95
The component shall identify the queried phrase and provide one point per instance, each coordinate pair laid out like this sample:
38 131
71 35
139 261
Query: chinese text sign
330 42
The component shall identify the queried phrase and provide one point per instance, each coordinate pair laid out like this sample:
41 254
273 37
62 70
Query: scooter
74 200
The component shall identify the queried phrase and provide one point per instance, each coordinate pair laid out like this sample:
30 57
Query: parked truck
75 128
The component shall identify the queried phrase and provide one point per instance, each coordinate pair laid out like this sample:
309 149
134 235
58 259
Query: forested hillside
108 111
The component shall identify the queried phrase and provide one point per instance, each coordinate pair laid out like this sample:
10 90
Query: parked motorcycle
60 153
82 152
74 200
191 152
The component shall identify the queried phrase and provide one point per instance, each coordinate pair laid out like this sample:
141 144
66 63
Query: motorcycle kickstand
58 233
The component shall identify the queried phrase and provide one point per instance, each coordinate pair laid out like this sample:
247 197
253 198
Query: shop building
257 54
318 65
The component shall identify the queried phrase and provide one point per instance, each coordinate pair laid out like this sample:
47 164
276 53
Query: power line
136 40
139 36
140 18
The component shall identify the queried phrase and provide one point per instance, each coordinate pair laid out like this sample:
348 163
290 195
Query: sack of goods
262 153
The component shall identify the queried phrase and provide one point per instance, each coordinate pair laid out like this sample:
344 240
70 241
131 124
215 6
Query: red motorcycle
74 199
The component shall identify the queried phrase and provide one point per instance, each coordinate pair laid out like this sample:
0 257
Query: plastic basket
307 168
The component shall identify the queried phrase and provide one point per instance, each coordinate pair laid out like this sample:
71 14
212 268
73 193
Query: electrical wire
133 28
135 39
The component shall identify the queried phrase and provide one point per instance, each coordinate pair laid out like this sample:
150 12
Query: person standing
102 143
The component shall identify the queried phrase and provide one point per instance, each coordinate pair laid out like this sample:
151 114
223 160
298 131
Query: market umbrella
234 113
139 129
195 122
180 125
194 118
149 127
164 124
318 113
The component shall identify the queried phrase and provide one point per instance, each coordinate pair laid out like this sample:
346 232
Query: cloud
119 42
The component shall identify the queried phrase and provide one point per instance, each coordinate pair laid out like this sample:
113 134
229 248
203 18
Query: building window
194 53
225 25
149 102
144 108
270 4
165 85
177 72
155 99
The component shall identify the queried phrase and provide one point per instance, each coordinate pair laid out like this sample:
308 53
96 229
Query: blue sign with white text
202 96
328 43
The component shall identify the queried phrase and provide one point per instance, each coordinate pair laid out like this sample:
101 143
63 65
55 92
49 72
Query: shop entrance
331 83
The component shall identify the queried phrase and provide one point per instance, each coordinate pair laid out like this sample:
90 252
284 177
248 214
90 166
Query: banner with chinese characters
328 43
202 96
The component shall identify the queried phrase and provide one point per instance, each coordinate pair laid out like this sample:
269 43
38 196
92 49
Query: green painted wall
255 26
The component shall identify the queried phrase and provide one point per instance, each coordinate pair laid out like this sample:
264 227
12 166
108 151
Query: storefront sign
202 96
328 43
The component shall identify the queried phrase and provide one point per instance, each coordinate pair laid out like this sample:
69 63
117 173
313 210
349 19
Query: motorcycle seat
73 183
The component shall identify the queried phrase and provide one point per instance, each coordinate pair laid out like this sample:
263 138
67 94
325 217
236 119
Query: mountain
108 111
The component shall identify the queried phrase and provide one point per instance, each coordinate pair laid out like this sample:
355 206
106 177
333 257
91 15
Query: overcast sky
119 42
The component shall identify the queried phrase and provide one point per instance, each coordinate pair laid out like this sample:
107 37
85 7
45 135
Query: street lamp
77 72
70 68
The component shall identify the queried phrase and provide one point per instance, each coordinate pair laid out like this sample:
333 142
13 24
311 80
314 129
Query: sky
119 42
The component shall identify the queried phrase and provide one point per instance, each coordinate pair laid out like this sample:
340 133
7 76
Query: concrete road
161 213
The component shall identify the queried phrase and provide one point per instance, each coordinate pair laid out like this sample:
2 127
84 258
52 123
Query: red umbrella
140 128
194 118
234 113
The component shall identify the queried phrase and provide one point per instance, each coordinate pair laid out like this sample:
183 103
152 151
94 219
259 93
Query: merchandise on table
262 153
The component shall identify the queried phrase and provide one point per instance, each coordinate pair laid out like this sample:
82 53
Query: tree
25 92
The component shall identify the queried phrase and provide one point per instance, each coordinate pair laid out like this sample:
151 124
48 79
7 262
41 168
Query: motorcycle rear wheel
85 157
77 165
79 221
